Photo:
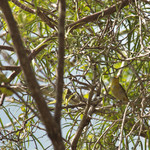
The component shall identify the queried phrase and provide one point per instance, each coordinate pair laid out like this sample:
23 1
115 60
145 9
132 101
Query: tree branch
49 122
50 22
98 15
60 69
9 48
32 55
9 67
85 120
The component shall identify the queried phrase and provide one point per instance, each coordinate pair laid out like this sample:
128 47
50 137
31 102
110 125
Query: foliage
94 52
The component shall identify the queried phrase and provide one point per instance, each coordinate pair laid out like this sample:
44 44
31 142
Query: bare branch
50 22
60 69
49 122
98 15
9 48
23 6
9 67
85 120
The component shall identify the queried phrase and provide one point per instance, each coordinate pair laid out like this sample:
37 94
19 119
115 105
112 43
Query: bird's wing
124 91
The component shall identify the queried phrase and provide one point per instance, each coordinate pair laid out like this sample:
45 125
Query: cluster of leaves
94 52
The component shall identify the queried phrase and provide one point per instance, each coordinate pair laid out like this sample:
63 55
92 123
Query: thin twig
123 122
94 147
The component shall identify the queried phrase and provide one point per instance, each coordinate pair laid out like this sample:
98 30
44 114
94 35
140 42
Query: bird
118 91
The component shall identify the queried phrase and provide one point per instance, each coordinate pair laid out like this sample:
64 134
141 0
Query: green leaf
3 78
6 91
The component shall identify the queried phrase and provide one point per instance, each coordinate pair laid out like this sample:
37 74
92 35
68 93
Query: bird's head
115 80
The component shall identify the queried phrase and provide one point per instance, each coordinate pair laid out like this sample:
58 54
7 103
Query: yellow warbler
117 90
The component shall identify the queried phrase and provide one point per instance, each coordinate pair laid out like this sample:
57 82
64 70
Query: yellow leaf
52 102
86 95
